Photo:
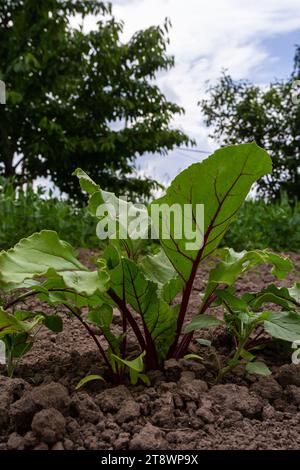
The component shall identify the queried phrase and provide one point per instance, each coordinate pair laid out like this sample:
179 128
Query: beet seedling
248 327
244 317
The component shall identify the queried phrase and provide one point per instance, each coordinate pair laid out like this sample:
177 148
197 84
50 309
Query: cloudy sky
253 40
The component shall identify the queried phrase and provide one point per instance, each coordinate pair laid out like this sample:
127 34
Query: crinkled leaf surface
157 268
33 256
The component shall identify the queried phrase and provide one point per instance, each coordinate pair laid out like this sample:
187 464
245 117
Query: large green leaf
44 254
147 284
221 183
283 325
33 256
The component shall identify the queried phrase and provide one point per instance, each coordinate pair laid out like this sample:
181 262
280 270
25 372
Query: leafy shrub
144 287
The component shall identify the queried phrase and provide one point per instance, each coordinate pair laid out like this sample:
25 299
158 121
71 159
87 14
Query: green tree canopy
77 98
240 112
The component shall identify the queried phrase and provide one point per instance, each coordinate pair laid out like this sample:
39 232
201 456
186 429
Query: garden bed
182 409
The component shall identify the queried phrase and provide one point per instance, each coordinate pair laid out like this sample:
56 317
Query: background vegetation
262 225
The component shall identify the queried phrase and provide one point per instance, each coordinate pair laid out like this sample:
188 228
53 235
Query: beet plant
152 291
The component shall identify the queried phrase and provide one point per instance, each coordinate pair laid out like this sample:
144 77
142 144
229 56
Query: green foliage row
24 212
266 225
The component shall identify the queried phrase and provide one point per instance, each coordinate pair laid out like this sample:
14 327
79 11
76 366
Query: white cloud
205 38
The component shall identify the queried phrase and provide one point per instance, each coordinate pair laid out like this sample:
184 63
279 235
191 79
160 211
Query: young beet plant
246 320
145 288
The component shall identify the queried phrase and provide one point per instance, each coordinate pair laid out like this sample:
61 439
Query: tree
239 111
81 99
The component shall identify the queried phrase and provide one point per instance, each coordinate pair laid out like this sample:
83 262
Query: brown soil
182 409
